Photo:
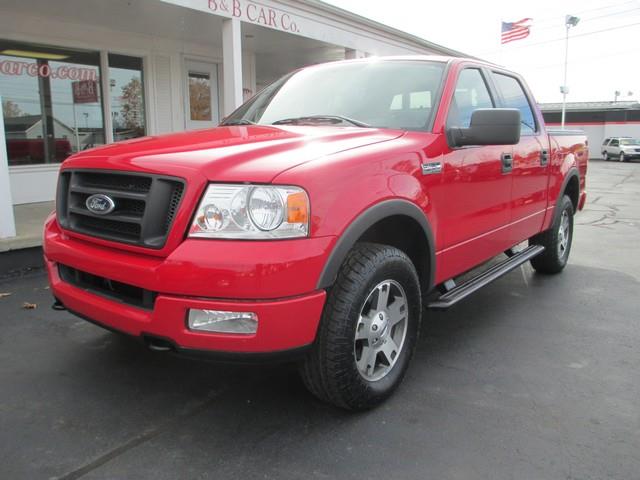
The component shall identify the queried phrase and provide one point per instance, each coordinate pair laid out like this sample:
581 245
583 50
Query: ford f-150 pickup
321 221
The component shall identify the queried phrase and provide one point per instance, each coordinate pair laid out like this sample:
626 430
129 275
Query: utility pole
569 21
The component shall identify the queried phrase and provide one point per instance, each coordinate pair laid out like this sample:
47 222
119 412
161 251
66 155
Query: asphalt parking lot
532 378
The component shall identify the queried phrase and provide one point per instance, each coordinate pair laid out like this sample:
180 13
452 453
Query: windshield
392 94
629 141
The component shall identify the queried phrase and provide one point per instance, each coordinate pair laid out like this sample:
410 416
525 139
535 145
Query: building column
231 65
105 84
7 221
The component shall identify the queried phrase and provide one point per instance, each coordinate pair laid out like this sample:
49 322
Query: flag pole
564 82
569 21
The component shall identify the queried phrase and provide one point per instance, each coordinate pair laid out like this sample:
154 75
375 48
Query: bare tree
131 108
200 98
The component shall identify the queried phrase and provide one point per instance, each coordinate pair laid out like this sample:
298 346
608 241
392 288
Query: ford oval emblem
100 204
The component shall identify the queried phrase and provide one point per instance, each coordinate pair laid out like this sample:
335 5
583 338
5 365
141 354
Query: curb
22 262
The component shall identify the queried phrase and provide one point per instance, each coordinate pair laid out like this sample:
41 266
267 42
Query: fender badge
431 168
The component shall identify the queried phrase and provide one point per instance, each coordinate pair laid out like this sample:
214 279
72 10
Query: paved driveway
532 378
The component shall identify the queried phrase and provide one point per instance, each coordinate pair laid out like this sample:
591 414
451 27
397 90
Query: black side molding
454 295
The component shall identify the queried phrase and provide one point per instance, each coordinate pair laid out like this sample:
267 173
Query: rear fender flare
571 173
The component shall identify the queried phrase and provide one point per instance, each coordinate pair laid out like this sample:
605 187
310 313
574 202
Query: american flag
515 30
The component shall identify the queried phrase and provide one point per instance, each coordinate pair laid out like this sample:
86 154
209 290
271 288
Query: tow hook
57 305
157 344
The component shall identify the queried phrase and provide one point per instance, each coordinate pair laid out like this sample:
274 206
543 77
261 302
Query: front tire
605 156
368 331
557 241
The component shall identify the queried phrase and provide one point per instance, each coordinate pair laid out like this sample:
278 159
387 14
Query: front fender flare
362 223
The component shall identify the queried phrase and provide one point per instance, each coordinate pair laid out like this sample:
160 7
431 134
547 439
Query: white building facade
75 74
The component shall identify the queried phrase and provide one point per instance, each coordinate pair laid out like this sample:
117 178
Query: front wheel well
407 235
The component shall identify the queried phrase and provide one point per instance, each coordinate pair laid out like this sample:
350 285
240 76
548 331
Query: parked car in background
320 218
620 148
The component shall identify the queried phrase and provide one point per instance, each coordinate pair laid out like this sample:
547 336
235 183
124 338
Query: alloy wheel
381 330
564 234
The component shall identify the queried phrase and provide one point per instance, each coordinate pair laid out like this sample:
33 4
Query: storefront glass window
51 102
126 86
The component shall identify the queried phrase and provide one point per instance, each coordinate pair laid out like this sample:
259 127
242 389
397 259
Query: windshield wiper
321 118
239 121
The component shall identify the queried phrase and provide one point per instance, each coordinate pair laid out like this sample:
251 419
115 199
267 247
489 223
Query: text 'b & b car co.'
254 13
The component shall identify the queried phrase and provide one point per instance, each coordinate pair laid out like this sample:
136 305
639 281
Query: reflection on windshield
389 93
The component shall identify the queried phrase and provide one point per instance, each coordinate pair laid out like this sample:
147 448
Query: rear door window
514 96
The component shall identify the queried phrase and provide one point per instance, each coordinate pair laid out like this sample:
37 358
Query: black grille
121 292
176 195
145 205
129 183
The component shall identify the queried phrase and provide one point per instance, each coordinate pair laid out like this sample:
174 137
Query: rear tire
622 158
368 331
556 241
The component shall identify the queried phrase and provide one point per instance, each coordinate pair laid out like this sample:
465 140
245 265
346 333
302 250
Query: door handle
507 162
544 157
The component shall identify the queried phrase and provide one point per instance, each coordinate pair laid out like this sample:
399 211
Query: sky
604 47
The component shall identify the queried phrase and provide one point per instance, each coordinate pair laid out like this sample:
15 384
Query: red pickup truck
321 220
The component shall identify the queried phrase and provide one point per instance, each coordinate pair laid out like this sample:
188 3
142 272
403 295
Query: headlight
252 212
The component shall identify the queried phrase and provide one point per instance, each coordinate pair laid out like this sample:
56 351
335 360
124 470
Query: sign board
85 91
257 13
306 20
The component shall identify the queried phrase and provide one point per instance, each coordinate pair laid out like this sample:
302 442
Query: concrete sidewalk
29 221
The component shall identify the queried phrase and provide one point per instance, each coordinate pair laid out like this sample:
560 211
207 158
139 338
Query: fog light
223 322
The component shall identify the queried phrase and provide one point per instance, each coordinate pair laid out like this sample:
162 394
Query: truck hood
231 154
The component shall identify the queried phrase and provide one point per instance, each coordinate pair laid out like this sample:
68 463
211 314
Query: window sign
85 91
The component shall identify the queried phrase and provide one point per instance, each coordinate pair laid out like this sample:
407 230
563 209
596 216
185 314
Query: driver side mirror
489 126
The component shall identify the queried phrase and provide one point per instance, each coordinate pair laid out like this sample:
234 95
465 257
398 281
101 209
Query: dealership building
599 120
75 74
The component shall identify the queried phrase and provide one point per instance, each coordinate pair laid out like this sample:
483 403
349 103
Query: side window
471 93
606 140
615 143
514 97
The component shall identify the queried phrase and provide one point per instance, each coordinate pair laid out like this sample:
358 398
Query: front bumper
628 154
284 323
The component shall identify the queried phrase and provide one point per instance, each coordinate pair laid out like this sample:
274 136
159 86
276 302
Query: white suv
620 148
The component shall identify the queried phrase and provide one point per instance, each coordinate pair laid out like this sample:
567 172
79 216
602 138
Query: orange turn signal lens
297 208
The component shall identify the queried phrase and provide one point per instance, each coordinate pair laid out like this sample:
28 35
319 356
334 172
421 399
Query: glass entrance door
201 95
